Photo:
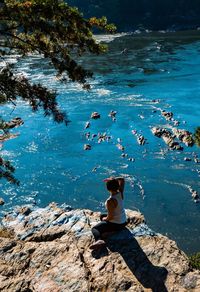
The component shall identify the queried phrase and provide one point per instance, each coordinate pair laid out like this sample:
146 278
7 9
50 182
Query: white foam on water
102 92
132 97
177 183
8 154
32 147
107 38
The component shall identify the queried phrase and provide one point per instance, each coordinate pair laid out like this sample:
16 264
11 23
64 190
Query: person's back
119 215
115 219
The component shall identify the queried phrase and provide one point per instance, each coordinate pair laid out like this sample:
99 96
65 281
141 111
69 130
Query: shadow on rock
147 274
100 253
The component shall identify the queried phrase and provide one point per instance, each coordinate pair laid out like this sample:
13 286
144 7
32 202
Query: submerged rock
48 250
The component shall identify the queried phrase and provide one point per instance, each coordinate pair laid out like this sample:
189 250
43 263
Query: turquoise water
155 71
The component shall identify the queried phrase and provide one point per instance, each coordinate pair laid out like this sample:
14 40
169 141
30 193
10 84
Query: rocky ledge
47 249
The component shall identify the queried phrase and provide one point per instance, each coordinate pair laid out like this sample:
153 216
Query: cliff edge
47 249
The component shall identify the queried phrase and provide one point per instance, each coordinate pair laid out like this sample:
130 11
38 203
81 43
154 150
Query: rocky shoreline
47 249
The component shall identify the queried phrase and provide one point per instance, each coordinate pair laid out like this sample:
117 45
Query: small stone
187 159
155 100
176 123
112 114
131 159
141 140
167 115
87 147
195 195
87 135
141 117
87 125
134 132
95 115
120 147
2 202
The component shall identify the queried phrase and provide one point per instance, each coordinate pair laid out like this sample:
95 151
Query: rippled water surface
139 76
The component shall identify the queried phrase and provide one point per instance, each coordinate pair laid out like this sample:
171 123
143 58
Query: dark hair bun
112 185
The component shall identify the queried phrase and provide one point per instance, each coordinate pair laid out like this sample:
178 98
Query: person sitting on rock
115 219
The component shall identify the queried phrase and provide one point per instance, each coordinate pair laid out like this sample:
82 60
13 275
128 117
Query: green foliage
195 261
61 35
197 136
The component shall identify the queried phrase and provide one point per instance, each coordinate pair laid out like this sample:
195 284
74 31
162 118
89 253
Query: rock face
47 249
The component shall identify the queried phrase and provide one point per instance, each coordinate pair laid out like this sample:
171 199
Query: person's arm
111 205
121 182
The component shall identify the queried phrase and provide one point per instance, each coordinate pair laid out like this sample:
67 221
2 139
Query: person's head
112 185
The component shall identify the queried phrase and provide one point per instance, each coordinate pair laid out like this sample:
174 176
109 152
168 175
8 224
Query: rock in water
185 136
167 115
120 147
141 140
87 125
187 159
47 249
112 114
167 137
2 202
16 122
87 147
95 115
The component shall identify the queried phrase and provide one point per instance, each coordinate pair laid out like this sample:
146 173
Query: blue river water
138 77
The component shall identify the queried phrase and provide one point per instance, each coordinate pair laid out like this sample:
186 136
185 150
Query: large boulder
47 249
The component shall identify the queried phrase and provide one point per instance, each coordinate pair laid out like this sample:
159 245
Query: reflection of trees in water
197 136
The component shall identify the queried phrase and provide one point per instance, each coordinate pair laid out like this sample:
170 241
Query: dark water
139 76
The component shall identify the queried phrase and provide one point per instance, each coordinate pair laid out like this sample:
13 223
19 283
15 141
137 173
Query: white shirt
119 215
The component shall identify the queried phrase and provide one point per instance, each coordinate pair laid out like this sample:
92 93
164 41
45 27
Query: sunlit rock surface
47 249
